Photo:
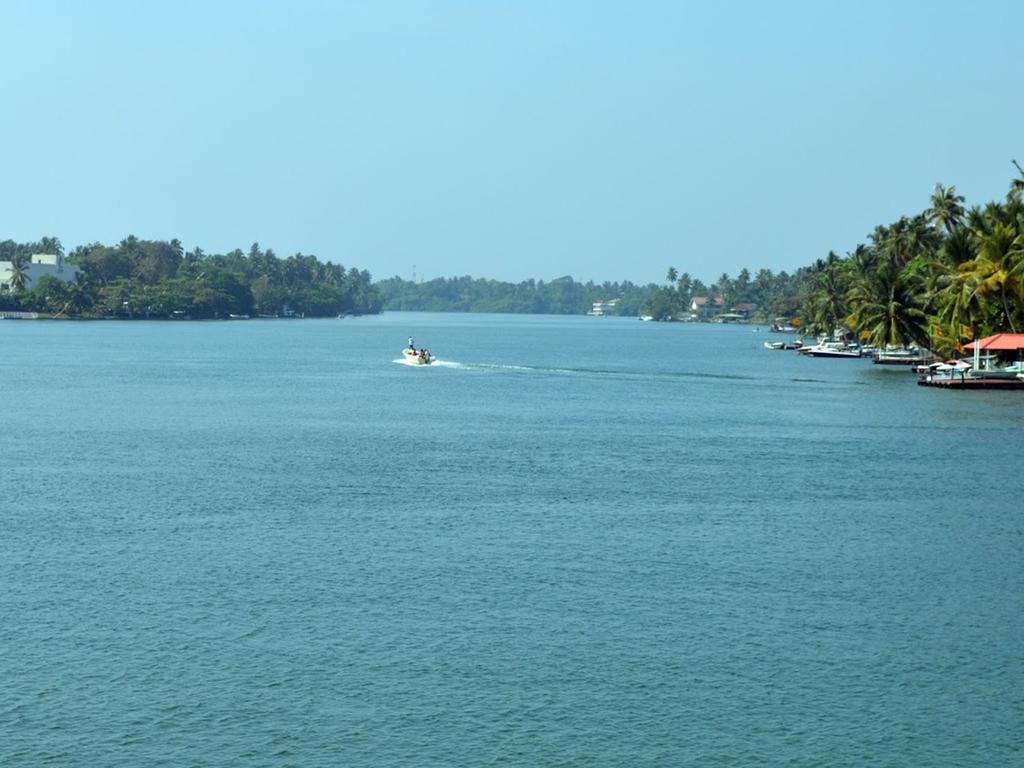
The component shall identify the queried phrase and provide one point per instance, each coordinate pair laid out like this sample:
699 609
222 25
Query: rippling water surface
577 542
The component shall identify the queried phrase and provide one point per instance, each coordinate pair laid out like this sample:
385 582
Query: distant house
745 310
705 307
40 264
601 308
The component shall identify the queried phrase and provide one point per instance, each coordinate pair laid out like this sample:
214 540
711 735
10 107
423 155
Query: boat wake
582 372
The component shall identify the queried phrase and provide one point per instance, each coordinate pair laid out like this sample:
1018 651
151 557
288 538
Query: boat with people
417 357
413 356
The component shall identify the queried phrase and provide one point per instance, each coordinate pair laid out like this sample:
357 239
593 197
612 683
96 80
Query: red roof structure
1000 342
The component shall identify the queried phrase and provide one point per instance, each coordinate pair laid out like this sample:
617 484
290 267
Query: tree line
774 294
159 279
561 296
938 278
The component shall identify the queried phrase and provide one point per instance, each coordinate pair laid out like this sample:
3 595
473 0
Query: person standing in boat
412 343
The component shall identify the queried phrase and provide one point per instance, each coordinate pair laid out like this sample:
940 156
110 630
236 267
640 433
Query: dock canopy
1000 342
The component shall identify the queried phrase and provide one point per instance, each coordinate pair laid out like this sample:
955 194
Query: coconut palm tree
997 269
907 239
1017 185
887 307
51 245
958 247
947 210
672 275
827 295
955 303
19 275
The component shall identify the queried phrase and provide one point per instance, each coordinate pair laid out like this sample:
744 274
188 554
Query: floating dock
883 359
970 383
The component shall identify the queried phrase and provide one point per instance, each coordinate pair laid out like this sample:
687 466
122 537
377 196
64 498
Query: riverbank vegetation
762 296
938 278
562 296
159 279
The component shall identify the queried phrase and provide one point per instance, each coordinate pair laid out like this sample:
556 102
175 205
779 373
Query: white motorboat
775 345
417 357
832 349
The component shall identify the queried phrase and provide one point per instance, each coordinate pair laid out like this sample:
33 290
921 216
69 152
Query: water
577 542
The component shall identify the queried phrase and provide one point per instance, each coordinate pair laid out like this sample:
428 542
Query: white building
40 264
602 308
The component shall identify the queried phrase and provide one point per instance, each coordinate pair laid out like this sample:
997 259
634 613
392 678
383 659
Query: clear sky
504 139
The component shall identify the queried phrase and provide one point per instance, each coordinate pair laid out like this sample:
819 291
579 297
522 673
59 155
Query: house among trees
704 307
602 308
745 310
29 272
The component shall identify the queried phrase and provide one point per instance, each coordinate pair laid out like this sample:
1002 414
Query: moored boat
832 349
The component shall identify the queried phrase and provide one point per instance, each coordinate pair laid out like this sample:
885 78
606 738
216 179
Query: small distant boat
238 317
417 357
775 345
784 328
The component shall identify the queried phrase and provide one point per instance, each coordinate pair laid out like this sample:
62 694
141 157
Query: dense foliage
562 296
938 278
153 278
771 294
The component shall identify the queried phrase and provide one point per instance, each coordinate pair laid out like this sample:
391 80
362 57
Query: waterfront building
38 265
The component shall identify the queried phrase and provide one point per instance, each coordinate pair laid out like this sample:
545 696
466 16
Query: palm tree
51 245
907 239
1017 185
672 275
947 208
997 268
888 307
19 275
828 286
684 284
958 247
863 261
955 302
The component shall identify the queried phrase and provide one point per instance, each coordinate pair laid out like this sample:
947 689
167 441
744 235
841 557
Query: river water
576 542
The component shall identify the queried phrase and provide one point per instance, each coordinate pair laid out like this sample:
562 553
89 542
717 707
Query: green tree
947 209
998 269
887 306
19 275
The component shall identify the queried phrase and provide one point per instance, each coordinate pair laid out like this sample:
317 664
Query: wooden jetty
888 358
970 382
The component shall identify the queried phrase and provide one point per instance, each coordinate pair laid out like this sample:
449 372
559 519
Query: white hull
831 353
414 358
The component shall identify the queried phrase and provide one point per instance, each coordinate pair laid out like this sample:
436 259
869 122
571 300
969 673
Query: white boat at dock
832 349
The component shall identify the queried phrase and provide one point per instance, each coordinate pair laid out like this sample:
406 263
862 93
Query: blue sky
504 139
